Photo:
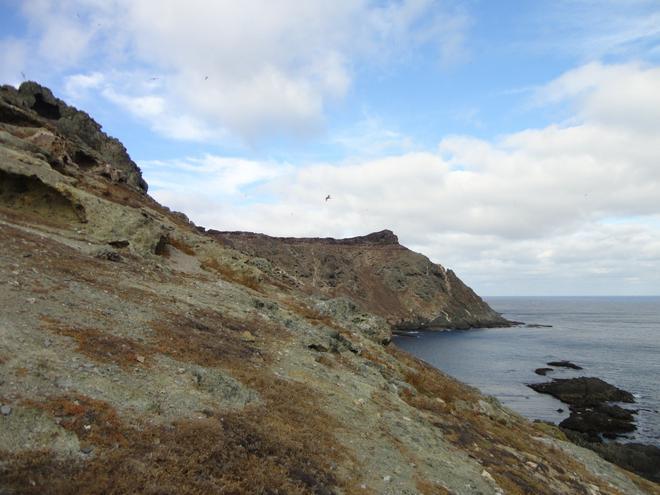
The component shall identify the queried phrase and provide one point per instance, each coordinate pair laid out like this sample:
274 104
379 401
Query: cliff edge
140 355
376 272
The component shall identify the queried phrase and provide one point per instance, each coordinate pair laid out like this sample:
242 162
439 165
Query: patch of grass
433 385
312 315
285 446
101 346
210 338
181 246
201 457
230 274
326 361
93 421
425 487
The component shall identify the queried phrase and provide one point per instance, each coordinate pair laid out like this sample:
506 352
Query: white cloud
78 85
624 95
212 175
571 205
250 69
13 61
594 29
372 137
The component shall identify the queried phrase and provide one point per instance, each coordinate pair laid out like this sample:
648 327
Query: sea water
616 339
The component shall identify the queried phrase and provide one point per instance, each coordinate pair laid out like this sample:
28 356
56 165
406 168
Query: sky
515 142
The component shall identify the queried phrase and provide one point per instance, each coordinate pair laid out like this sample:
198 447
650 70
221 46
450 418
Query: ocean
616 339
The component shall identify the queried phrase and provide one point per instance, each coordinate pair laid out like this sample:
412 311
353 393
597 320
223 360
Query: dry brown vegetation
181 246
430 383
93 421
210 338
286 446
101 346
427 488
312 315
228 455
232 275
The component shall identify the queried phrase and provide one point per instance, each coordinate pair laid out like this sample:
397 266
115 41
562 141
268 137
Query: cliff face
138 355
377 273
69 139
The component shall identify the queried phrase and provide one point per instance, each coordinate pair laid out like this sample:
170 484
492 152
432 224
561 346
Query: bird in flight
327 197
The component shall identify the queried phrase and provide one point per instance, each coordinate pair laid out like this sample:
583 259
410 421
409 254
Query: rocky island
140 353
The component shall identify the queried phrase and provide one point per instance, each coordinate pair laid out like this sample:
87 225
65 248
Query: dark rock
119 244
583 391
591 416
537 325
564 364
542 371
609 421
318 348
641 459
638 458
109 255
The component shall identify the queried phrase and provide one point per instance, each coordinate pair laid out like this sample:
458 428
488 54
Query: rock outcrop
591 413
381 276
71 140
138 355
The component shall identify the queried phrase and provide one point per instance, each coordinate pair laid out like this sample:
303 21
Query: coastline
510 357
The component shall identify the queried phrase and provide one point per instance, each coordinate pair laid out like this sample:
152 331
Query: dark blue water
613 338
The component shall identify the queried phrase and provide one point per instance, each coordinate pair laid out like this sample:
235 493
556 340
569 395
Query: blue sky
513 141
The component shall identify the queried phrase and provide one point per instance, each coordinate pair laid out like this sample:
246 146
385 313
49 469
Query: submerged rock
542 371
564 364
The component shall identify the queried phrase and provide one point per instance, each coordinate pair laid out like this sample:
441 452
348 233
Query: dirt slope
138 355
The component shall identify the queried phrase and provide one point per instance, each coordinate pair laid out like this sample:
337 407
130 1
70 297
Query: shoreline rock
592 419
564 364
543 371
583 391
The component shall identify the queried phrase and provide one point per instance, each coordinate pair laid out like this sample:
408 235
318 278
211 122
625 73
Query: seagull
327 197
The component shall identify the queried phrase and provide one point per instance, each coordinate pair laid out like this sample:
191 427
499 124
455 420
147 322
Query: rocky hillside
375 272
140 355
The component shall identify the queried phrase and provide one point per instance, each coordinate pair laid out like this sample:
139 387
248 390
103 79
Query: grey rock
5 410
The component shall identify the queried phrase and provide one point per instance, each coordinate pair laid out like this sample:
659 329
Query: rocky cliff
377 273
69 139
140 355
